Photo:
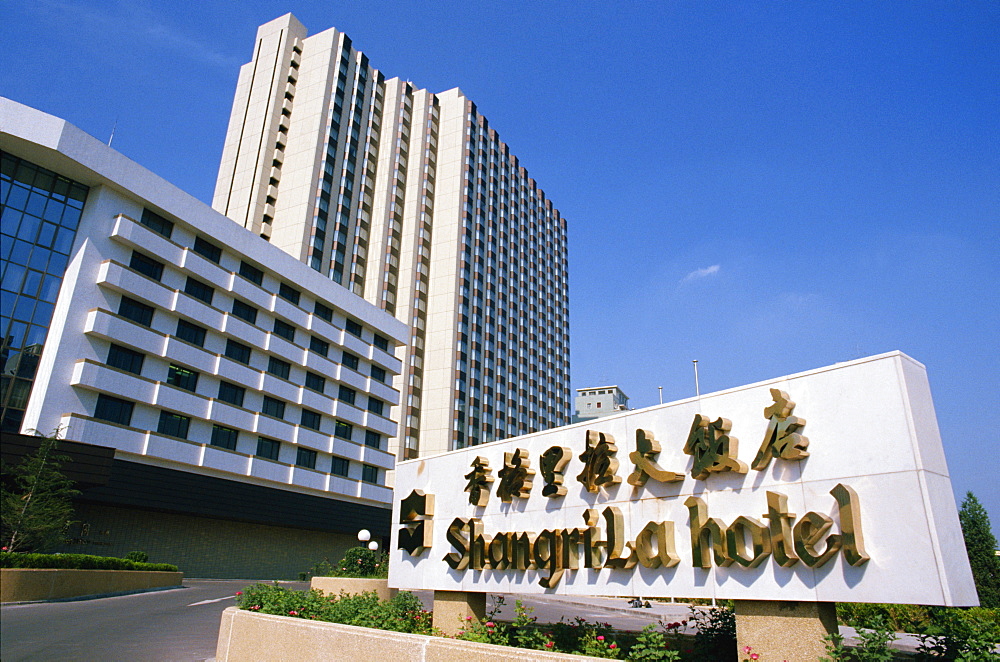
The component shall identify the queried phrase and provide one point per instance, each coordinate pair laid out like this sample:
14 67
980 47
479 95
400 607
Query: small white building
138 318
591 403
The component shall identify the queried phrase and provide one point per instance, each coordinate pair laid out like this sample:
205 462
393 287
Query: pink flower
550 644
600 637
613 646
754 656
468 618
293 613
239 592
491 624
747 649
255 608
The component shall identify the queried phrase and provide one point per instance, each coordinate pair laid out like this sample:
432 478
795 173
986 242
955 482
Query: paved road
177 624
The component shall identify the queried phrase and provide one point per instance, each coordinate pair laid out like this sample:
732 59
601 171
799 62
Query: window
354 328
244 311
381 342
350 361
273 407
378 374
347 394
268 448
207 249
373 439
191 333
231 393
173 425
343 430
251 273
224 437
237 351
289 293
146 265
125 359
305 458
285 330
339 466
321 347
369 474
311 420
323 312
157 223
136 311
113 410
315 382
376 406
278 367
182 377
199 290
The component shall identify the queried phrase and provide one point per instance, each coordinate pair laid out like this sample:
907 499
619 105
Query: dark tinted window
339 466
224 437
113 410
323 312
191 333
369 474
373 439
311 419
231 393
305 458
354 328
244 311
182 378
350 360
375 406
173 425
207 249
136 311
279 367
381 342
157 223
285 330
268 448
347 394
289 293
125 359
273 407
146 265
199 290
315 382
237 351
251 273
321 347
378 374
343 430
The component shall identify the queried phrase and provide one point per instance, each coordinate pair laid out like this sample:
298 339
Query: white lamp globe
373 545
364 535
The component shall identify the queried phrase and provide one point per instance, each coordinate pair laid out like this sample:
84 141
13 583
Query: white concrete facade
410 199
299 328
870 426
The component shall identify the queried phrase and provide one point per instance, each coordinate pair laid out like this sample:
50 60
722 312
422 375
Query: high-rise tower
409 199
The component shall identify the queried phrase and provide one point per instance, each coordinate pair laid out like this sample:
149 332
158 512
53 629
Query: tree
36 500
981 545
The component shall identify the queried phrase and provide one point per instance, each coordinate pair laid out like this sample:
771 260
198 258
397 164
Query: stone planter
352 585
31 584
246 635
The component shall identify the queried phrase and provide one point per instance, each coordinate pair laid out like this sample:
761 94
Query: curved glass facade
39 211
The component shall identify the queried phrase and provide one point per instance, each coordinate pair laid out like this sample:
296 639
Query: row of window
119 411
154 269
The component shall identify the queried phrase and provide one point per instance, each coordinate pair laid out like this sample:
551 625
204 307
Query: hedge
77 562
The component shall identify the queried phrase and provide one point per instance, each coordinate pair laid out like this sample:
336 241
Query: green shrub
655 645
363 562
964 635
716 636
403 613
873 644
77 562
137 557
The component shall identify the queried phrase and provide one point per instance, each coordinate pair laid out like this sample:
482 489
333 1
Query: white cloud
701 273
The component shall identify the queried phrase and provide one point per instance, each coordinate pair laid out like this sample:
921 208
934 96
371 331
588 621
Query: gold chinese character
714 450
644 458
515 477
415 513
553 462
479 481
600 466
782 438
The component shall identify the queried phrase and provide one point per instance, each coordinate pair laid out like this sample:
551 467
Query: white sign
828 486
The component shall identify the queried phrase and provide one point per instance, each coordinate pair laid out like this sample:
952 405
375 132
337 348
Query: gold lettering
708 536
521 546
644 458
780 524
809 531
665 554
592 543
456 536
616 540
736 541
480 543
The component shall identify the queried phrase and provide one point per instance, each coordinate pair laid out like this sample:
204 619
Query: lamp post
364 536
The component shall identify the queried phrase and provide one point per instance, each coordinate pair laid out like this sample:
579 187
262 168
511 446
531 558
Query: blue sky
764 187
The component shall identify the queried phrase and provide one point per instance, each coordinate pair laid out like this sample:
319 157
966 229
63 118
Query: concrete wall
246 635
202 546
29 584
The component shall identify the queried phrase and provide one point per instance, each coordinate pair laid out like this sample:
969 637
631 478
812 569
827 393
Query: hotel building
245 396
409 199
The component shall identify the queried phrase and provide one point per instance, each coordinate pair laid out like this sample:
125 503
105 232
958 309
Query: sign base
452 608
782 630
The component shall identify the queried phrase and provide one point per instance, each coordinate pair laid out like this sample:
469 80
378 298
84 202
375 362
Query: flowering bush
357 562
